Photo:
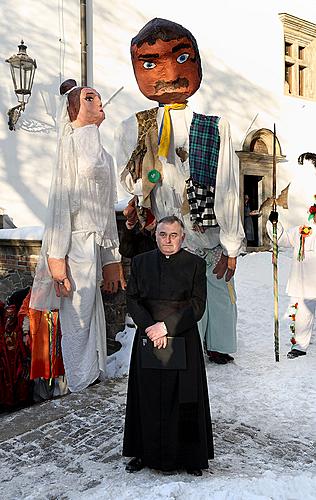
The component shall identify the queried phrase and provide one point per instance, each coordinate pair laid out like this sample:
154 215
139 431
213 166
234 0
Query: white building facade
258 64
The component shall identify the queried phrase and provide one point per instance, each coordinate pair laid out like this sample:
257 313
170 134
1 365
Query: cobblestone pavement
63 437
62 449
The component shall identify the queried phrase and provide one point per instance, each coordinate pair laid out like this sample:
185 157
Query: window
288 49
299 57
301 52
288 77
301 87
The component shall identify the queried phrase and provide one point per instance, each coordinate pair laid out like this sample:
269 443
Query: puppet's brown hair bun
73 97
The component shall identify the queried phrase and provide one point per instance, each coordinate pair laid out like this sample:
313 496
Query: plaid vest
204 143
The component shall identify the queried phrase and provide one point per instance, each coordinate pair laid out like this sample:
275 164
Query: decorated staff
275 257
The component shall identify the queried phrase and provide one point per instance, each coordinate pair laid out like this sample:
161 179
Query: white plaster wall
26 155
241 45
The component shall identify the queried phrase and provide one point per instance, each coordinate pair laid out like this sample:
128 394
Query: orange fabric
40 365
24 309
46 359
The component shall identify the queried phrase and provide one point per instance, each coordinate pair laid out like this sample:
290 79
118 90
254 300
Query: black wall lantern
22 71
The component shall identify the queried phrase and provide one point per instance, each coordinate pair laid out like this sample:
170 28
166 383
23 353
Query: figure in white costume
301 189
80 242
181 163
301 286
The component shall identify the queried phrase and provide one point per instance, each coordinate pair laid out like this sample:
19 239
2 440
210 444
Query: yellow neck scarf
165 129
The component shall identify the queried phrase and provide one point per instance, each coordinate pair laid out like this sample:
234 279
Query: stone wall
18 259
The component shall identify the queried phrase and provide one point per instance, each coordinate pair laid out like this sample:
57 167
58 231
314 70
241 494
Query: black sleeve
127 243
139 313
186 318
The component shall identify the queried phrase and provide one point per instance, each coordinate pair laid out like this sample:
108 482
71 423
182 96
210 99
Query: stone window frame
299 57
256 158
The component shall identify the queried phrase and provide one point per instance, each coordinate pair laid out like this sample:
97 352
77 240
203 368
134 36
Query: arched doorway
255 181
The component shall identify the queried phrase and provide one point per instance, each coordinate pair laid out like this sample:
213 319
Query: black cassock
168 421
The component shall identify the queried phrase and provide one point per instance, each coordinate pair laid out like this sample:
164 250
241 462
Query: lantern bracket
14 114
22 72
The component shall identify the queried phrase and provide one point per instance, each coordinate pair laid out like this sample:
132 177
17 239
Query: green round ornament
153 175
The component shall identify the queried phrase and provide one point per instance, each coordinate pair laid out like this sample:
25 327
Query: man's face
167 72
91 111
169 237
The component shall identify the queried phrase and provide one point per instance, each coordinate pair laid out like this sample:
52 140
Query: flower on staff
312 210
305 231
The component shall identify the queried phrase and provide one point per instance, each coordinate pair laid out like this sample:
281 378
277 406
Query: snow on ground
263 414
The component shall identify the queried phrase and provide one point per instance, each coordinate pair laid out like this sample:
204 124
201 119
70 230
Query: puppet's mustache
173 85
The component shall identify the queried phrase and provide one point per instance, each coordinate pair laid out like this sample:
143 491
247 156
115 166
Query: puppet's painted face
167 72
169 237
90 111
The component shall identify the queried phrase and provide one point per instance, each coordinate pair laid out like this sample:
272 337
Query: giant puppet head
166 62
84 104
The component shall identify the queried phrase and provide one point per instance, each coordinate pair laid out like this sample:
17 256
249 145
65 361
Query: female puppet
80 241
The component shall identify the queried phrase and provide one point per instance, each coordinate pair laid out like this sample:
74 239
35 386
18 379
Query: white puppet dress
80 228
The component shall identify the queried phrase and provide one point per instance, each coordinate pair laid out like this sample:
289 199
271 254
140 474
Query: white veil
57 231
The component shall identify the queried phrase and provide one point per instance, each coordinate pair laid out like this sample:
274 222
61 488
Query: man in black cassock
168 421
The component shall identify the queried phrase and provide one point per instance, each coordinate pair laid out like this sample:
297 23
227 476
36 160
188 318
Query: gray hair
170 219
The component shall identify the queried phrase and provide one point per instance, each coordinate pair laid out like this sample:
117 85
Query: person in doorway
301 286
180 162
168 422
80 241
248 223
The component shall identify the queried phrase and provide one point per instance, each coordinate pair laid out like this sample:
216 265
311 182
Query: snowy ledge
36 232
22 233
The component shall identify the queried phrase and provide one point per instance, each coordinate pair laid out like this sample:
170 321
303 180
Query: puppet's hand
58 270
156 331
231 267
113 276
221 267
130 213
225 265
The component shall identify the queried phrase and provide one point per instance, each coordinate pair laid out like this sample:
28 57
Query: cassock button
153 175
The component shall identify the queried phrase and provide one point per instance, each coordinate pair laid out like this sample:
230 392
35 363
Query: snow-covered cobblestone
263 412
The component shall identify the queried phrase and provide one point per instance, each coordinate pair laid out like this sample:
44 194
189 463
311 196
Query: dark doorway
252 201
